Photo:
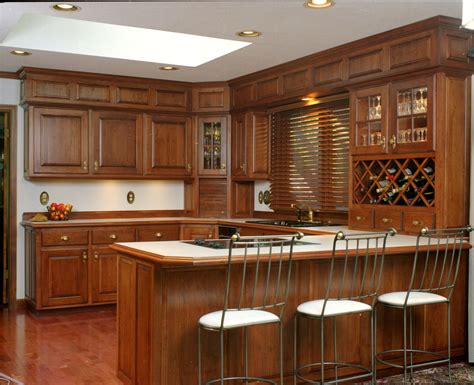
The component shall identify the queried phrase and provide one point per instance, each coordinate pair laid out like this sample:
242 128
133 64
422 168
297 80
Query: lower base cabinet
104 275
64 277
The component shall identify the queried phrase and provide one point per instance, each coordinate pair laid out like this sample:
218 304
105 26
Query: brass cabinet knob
189 167
96 166
359 218
84 256
158 235
64 238
210 235
84 165
96 256
113 236
393 141
417 223
386 220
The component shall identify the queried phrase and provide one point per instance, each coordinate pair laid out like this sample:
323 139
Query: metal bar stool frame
374 250
449 243
280 294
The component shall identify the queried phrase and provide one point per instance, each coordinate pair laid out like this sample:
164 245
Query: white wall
103 195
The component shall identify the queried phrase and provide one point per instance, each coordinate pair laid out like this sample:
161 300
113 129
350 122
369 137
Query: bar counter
165 287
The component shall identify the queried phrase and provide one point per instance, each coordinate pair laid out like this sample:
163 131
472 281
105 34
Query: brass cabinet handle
386 220
417 223
158 235
84 165
359 218
210 235
96 256
84 256
189 167
113 236
64 238
96 166
393 141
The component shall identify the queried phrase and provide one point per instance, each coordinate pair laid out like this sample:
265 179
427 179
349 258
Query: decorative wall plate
260 197
267 197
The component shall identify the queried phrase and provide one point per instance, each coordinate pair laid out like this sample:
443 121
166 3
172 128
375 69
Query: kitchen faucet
299 212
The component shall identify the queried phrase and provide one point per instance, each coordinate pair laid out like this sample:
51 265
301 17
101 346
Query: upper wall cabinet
211 99
168 146
57 141
250 146
397 118
116 143
212 141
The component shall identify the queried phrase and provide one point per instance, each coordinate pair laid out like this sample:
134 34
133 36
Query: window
310 157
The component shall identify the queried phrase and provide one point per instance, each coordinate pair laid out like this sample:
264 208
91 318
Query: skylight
66 35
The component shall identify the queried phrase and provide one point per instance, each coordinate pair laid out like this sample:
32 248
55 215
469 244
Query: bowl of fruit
59 211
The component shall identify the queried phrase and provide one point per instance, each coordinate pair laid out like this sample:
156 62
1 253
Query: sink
287 223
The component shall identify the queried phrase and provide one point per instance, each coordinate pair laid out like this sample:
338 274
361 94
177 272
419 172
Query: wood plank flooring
67 349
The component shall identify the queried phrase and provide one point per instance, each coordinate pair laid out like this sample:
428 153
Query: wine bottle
408 171
403 179
391 170
428 170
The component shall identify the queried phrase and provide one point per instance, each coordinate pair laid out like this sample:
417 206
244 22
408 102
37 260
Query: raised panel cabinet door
239 146
58 141
195 232
259 145
104 275
168 146
117 143
64 277
369 109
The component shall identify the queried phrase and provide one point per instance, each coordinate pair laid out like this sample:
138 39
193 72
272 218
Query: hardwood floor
67 349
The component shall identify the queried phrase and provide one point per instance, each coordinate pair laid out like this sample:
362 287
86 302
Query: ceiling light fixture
18 52
249 33
307 99
169 68
64 7
319 3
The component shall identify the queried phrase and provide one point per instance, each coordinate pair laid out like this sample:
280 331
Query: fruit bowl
59 211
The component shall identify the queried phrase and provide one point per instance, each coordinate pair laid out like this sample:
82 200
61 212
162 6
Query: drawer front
361 218
113 234
158 233
388 219
66 237
413 222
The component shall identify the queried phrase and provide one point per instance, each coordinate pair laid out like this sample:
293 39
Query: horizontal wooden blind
310 157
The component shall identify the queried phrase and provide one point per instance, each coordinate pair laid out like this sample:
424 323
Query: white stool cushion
237 318
333 307
397 298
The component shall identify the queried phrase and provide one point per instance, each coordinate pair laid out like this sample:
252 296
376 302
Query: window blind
310 157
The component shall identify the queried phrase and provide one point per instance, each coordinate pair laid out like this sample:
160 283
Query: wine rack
394 182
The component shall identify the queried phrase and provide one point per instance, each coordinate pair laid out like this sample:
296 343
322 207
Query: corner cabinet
408 154
212 145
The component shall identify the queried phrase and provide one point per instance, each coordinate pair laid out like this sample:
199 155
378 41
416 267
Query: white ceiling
289 29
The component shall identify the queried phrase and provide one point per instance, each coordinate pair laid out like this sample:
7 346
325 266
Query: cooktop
224 243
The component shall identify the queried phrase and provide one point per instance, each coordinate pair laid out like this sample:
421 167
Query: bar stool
432 281
272 271
361 256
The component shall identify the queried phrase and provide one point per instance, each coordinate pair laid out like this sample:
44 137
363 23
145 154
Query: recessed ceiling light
168 68
66 7
249 33
319 3
18 52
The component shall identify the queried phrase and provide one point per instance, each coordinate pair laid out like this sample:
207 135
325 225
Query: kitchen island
165 287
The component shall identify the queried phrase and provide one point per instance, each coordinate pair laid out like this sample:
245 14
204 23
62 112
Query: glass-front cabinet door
212 145
369 120
412 116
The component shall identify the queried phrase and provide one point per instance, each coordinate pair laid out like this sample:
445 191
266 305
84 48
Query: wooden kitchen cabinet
57 141
195 232
250 146
168 146
212 145
117 143
104 275
64 277
168 232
